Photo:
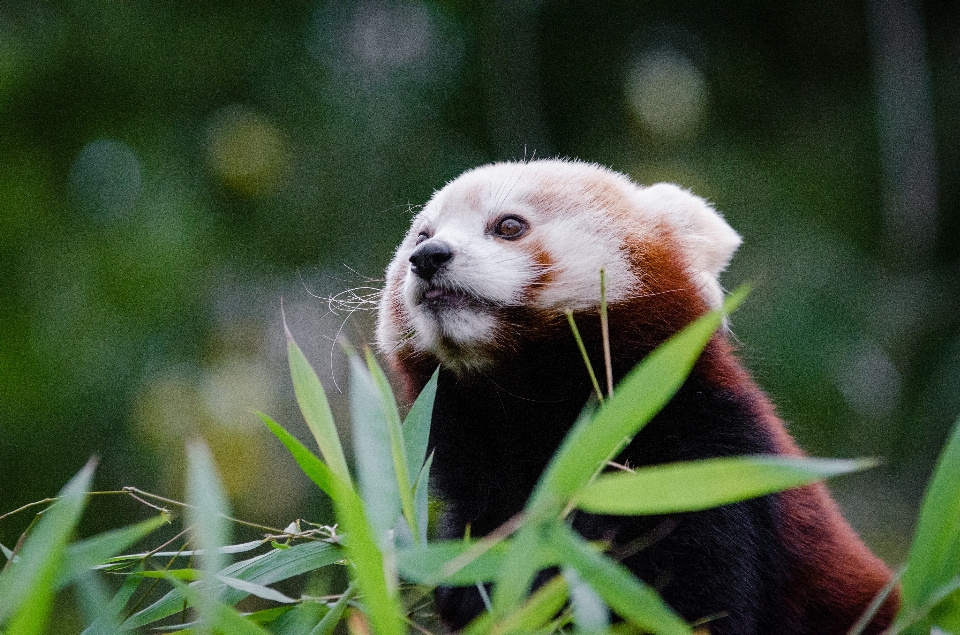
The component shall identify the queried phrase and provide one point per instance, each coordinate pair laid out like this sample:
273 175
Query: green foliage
697 485
931 580
28 584
381 530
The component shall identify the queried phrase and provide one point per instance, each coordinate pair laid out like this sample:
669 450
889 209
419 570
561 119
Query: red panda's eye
510 227
422 236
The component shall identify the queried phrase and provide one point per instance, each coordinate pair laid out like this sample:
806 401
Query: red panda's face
530 236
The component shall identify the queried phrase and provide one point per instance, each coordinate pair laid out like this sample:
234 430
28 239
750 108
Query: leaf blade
698 485
401 466
33 575
267 568
934 558
86 554
416 426
624 593
376 478
316 410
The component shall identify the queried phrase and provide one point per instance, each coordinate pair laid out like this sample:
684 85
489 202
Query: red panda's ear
707 240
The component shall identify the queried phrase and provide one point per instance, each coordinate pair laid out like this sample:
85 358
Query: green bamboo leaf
416 427
381 605
376 476
93 598
216 616
268 568
532 616
697 485
934 559
421 500
207 509
455 562
637 399
268 616
403 474
87 554
299 619
519 570
326 625
109 621
185 575
206 515
126 559
315 469
316 410
946 612
259 590
624 593
28 585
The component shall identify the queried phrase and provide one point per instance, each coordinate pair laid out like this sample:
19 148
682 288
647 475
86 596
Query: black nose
429 257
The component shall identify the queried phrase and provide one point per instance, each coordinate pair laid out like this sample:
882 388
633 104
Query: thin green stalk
605 331
586 358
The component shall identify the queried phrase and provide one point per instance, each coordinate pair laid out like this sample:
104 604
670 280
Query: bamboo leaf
185 575
216 616
206 515
376 476
457 562
416 427
185 553
109 621
531 617
697 485
259 590
315 469
265 569
28 585
640 396
590 612
94 601
422 499
624 593
208 508
362 546
934 559
326 625
316 410
403 474
87 554
380 604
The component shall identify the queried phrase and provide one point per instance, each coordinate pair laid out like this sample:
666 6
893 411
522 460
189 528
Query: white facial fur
581 219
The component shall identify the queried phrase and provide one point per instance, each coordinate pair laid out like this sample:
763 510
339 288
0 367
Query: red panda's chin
456 330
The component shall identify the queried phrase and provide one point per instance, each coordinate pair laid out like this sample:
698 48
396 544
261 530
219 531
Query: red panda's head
533 237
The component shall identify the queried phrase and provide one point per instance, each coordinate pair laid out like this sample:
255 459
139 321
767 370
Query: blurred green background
171 171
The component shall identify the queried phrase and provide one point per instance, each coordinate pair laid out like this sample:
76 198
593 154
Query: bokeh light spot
106 178
383 36
245 152
667 94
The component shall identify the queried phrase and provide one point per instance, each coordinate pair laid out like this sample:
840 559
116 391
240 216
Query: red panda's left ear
707 240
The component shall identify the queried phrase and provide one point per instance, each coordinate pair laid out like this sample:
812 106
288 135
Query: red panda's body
479 286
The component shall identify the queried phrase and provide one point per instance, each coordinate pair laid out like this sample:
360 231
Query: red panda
480 286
